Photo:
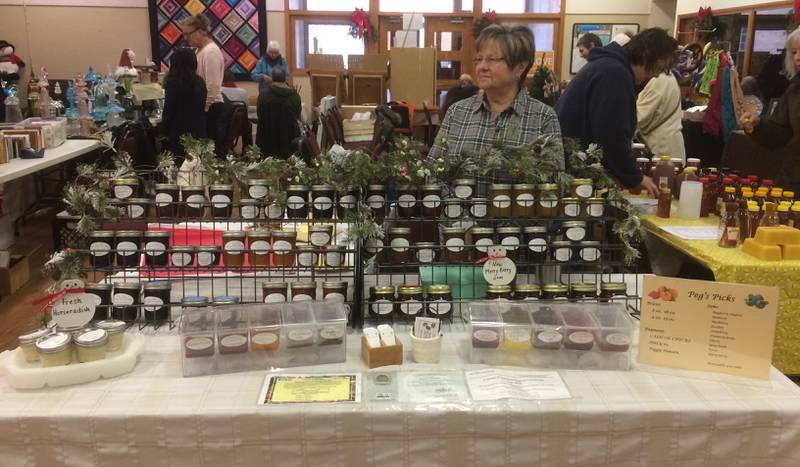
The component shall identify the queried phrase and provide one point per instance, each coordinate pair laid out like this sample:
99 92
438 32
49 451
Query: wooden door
452 38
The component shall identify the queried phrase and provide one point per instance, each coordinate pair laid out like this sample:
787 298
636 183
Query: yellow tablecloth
732 265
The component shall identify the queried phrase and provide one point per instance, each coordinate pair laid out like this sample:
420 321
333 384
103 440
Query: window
425 6
769 38
523 6
318 37
543 34
328 5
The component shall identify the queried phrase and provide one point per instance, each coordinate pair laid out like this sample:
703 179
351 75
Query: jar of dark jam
535 237
561 251
548 200
498 292
275 291
156 244
128 243
589 251
582 291
208 256
322 201
336 291
571 207
482 239
194 199
479 208
464 188
273 210
283 248
137 208
500 197
125 301
221 201
346 203
307 255
334 256
439 302
454 251
409 301
166 196
297 201
610 291
320 235
156 300
258 247
183 256
554 292
224 300
527 292
304 291
582 188
376 200
381 301
124 188
524 205
101 294
574 231
432 201
233 248
399 240
407 201
257 188
249 208
509 237
425 252
595 207
100 244
453 208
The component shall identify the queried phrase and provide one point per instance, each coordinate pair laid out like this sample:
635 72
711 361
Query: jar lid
783 207
642 159
572 224
226 300
559 288
535 229
156 234
399 231
508 230
53 343
321 187
523 186
284 234
92 338
125 181
194 300
548 187
570 200
595 200
307 248
527 288
409 290
304 285
664 157
102 233
334 285
432 187
584 287
439 289
406 188
248 201
498 288
676 159
274 285
453 230
32 336
166 186
128 233
194 188
376 187
297 188
335 248
257 181
222 187
480 200
99 286
693 159
425 244
464 181
321 228
382 289
259 233
157 285
183 248
500 186
112 326
589 243
482 231
581 181
138 201
233 234
614 286
561 244
127 285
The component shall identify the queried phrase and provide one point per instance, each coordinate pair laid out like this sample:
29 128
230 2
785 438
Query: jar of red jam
439 301
407 201
432 201
283 248
454 250
482 239
498 292
526 292
258 247
409 301
233 248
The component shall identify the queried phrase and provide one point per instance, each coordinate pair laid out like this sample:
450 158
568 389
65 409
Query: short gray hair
788 60
273 45
516 43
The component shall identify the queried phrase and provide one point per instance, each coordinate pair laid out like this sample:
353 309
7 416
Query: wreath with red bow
704 21
489 18
360 27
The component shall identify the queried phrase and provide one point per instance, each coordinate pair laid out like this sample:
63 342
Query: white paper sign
413 21
494 384
73 309
438 386
499 270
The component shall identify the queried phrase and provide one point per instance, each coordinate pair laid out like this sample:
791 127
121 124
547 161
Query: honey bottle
769 217
729 226
708 199
753 219
783 214
664 173
664 201
794 220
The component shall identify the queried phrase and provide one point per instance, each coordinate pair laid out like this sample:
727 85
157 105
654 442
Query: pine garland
63 265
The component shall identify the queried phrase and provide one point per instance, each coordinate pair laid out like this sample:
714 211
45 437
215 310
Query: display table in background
71 149
154 417
732 265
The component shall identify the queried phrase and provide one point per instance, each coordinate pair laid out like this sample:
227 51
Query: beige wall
691 6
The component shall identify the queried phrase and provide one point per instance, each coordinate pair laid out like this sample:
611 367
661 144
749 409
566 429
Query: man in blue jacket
262 73
599 105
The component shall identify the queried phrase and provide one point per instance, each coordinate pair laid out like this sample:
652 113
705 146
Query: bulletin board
237 27
605 31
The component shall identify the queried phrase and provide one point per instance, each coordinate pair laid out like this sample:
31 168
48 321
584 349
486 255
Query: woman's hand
749 121
650 186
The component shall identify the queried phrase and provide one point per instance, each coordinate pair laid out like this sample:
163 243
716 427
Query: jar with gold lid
498 292
257 188
275 291
500 199
574 230
524 205
561 251
482 239
400 240
610 291
425 252
138 207
509 238
589 251
124 188
595 207
432 201
464 188
381 300
283 248
548 200
233 248
582 291
554 292
527 292
166 196
479 208
221 201
258 247
407 201
454 251
409 301
581 188
571 207
320 235
439 301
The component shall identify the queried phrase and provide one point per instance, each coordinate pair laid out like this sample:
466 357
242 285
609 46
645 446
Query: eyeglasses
489 60
187 34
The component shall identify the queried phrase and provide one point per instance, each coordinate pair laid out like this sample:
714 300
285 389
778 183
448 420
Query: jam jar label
234 247
463 191
501 201
590 254
575 234
478 210
581 337
163 199
595 210
320 238
135 211
274 298
411 307
584 191
550 337
399 244
453 210
265 338
53 341
549 201
333 259
517 335
440 307
199 343
300 334
425 255
331 332
432 201
123 191
126 248
563 254
282 246
407 201
485 335
94 298
511 243
257 191
122 299
195 201
334 296
220 201
249 211
260 247
525 200
376 201
181 259
373 245
617 338
483 244
301 297
153 303
205 258
233 340
537 245
100 248
155 248
347 201
572 209
274 211
295 202
322 203
382 307
455 244
307 259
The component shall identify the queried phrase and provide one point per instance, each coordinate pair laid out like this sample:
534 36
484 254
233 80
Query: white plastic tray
24 375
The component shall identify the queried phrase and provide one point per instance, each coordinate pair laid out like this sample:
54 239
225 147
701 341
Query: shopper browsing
262 73
184 100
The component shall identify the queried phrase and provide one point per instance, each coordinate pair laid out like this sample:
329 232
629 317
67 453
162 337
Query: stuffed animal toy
10 63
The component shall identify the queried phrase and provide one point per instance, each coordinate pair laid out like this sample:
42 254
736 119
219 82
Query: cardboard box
413 77
17 274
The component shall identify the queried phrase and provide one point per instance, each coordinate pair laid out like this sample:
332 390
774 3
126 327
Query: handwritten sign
73 309
708 326
499 269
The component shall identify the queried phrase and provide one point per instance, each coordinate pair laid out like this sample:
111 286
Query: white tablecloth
154 417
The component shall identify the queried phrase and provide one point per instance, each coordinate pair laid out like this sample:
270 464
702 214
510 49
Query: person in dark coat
599 105
278 110
464 89
184 100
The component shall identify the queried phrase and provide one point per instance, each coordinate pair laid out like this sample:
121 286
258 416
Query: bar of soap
777 236
761 251
791 252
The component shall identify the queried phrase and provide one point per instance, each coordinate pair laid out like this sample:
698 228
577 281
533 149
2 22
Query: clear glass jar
258 248
425 252
479 208
249 208
124 188
101 294
400 240
535 237
613 290
166 196
304 291
453 208
582 188
334 256
257 188
583 291
320 235
91 345
221 199
307 256
500 196
554 292
464 188
595 207
498 292
137 208
407 201
509 237
376 200
346 203
561 251
183 256
194 199
233 248
100 244
574 230
128 245
335 291
571 207
526 292
432 201
55 349
524 205
297 201
548 200
27 342
322 201
453 238
126 301
409 301
156 244
275 291
381 300
439 302
156 300
116 333
283 248
589 251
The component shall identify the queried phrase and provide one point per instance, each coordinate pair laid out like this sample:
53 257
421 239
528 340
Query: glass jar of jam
409 301
453 208
166 195
124 188
335 291
509 237
137 207
464 188
307 256
322 201
101 295
574 230
595 207
425 252
561 251
128 243
548 200
207 256
536 239
454 251
233 248
381 300
439 302
304 291
554 292
432 201
581 188
156 300
320 235
334 256
275 291
183 256
221 201
257 188
407 202
347 202
283 248
376 200
571 207
609 291
194 199
498 292
527 292
55 349
583 291
125 301
524 205
249 208
479 208
156 244
100 244
482 239
273 210
258 247
297 201
399 240
589 251
500 196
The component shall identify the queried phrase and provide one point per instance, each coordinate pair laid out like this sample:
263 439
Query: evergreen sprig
90 204
63 265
